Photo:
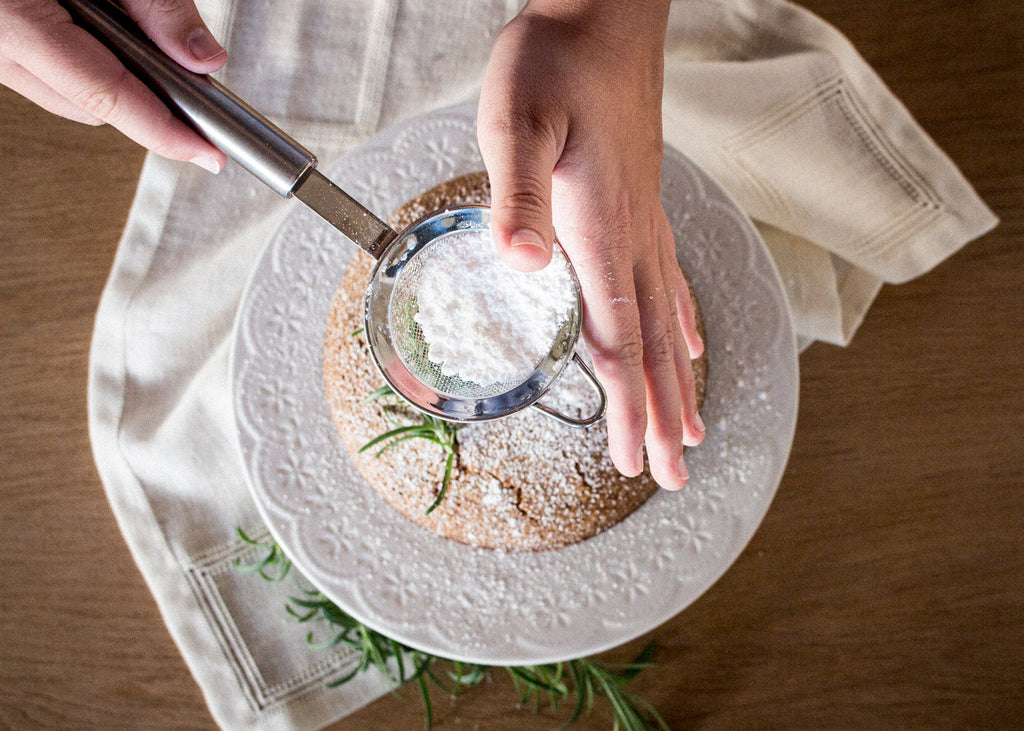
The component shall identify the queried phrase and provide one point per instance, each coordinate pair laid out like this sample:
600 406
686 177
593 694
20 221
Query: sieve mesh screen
413 349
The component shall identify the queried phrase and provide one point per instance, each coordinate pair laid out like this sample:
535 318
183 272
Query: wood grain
885 588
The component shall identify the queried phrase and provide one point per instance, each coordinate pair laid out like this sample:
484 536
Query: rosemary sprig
431 428
549 684
273 566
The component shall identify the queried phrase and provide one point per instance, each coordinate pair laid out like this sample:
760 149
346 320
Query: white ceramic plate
475 604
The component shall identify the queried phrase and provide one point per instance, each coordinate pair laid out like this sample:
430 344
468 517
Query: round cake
524 482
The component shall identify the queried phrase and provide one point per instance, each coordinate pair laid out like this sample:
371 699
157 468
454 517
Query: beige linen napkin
847 190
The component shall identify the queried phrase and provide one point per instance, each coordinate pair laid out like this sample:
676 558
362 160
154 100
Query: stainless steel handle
245 135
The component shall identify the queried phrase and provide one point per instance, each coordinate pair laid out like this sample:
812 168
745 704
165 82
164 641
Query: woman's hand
59 66
570 131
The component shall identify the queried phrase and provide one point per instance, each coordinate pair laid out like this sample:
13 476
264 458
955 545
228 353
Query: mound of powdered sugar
482 321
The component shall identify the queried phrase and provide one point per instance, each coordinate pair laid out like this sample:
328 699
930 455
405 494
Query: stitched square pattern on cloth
826 195
272 655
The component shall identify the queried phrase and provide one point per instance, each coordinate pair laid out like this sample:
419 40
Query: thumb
519 158
179 30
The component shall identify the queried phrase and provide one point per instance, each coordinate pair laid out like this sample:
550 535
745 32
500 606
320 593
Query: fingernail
526 237
207 163
203 45
699 422
684 474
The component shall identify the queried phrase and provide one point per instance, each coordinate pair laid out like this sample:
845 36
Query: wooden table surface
885 588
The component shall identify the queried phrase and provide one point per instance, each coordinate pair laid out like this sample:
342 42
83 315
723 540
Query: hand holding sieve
263 149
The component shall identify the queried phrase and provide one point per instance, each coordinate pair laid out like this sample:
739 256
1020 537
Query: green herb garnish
541 686
431 428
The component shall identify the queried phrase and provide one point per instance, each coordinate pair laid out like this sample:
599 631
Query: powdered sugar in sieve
469 326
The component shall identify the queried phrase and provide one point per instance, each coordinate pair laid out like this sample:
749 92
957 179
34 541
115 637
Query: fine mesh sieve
401 352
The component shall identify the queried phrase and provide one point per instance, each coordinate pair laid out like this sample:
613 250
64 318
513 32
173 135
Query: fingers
519 165
664 434
687 342
666 395
179 30
66 70
24 83
519 152
668 376
687 312
628 272
612 332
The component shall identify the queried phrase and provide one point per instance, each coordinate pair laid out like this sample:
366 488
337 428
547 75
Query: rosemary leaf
379 393
581 696
474 675
651 711
396 651
421 663
428 708
624 711
449 463
412 435
338 682
429 672
301 617
535 677
273 567
627 671
371 650
326 644
396 432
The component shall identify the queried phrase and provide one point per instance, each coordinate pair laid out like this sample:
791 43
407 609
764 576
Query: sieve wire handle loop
571 420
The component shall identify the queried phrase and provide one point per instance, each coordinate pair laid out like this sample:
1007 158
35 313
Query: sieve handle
246 136
571 420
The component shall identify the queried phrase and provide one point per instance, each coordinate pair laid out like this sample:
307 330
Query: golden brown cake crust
521 483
